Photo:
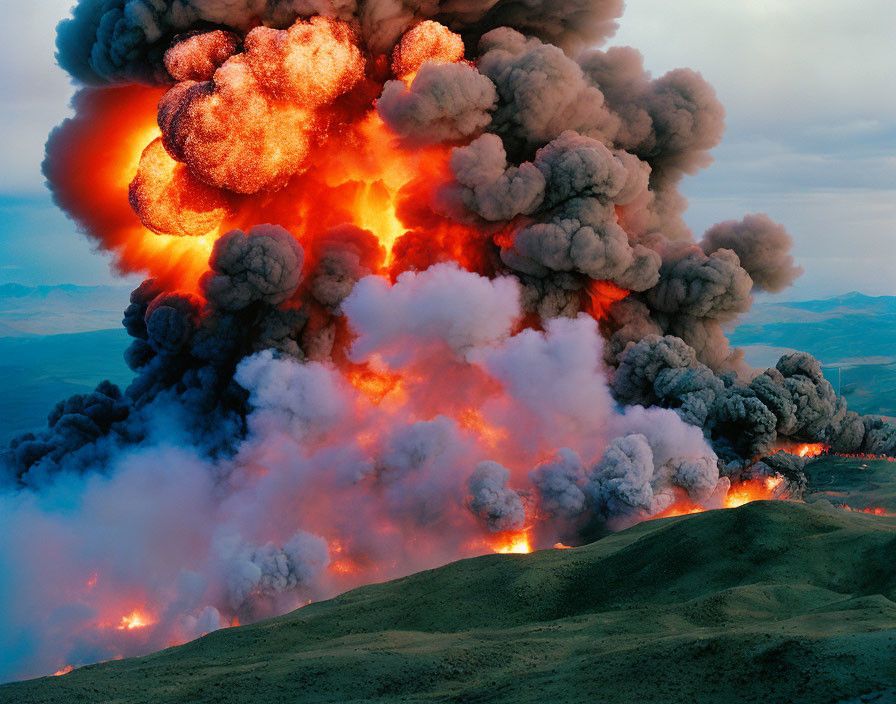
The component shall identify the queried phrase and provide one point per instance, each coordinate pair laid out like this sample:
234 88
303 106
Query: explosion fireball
418 288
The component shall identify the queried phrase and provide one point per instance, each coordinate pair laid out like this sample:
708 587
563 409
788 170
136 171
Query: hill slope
769 602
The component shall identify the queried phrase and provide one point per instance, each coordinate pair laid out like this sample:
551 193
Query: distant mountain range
53 310
60 340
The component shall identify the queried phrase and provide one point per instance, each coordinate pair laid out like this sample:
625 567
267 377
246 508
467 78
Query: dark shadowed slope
769 602
861 484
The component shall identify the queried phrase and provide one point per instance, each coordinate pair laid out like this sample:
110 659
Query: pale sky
811 140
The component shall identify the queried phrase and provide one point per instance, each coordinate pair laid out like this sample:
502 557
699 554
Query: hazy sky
811 140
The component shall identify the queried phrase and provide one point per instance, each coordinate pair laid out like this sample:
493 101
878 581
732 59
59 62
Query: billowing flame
512 542
358 171
754 490
811 450
158 204
738 495
136 619
427 42
63 671
106 139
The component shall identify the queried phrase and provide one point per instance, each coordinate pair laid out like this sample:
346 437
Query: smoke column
418 288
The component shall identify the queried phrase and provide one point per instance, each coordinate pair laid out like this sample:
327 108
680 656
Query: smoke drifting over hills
418 288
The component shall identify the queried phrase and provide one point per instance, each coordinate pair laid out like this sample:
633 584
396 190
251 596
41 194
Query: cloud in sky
811 124
777 64
36 92
811 127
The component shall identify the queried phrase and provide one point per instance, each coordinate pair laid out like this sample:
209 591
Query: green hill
770 602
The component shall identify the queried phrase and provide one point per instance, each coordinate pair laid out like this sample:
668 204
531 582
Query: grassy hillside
770 602
859 484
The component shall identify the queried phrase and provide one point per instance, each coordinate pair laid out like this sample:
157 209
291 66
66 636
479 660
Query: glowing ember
871 511
679 510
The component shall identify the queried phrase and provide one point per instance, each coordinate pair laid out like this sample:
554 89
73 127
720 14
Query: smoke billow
418 287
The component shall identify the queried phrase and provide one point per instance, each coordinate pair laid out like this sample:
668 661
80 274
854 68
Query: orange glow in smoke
369 180
375 385
342 563
600 295
345 566
63 671
135 619
473 420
